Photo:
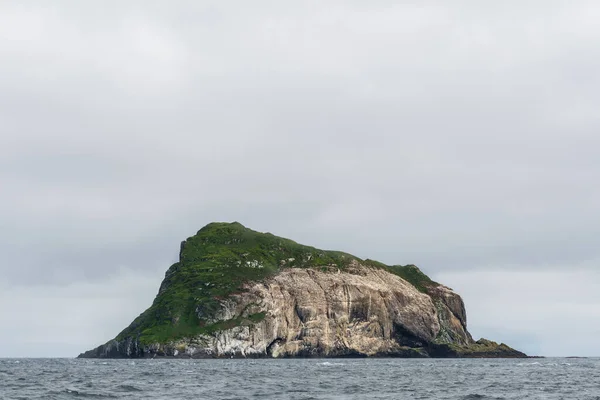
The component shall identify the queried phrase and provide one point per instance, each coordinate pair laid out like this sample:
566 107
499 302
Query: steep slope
240 293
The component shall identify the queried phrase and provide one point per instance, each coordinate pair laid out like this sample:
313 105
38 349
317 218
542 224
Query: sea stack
236 292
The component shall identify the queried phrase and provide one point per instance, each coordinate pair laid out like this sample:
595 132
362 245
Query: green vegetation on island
215 263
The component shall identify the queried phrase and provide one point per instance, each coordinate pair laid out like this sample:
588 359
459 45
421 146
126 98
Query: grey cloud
553 313
51 321
456 137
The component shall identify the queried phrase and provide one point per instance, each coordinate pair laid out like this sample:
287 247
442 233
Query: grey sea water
300 379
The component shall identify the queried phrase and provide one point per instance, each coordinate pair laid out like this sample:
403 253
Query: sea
301 379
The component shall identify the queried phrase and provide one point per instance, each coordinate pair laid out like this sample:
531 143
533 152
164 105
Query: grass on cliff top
413 275
215 263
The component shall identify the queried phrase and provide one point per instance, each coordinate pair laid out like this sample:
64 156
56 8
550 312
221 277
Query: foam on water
327 363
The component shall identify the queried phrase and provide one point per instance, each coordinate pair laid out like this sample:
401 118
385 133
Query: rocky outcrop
360 310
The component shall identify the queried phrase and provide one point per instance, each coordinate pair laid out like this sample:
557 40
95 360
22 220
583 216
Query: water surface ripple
300 379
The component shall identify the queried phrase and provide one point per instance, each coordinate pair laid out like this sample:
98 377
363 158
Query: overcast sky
460 136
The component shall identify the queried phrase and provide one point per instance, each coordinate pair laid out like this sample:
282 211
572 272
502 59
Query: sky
459 136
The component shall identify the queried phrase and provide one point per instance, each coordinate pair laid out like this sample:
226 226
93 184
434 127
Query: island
238 293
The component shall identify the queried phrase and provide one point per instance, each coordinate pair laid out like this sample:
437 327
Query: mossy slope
215 263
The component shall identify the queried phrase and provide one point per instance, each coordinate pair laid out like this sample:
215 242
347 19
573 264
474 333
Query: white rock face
363 310
310 312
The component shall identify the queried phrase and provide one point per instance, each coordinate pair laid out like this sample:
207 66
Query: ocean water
552 378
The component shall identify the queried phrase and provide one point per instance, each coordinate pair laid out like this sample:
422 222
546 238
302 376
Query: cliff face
337 306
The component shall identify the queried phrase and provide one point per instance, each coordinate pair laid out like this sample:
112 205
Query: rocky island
236 292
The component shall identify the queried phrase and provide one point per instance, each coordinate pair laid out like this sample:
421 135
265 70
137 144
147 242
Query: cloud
50 321
456 137
551 313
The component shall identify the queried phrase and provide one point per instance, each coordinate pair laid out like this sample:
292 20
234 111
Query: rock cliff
240 293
